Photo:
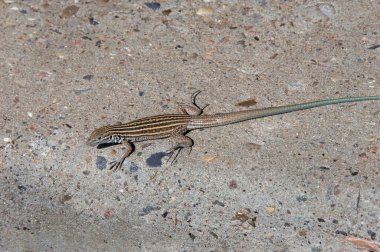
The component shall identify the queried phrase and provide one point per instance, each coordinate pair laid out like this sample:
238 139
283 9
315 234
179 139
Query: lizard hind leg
182 142
191 108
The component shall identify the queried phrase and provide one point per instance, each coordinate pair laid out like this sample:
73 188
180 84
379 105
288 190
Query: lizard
189 117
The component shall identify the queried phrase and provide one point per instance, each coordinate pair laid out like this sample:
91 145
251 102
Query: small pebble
373 214
242 214
205 11
30 114
296 86
166 12
373 149
101 162
7 140
70 11
233 184
209 158
247 103
327 9
270 210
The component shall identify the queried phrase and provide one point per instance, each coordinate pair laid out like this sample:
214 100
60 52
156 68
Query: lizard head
100 136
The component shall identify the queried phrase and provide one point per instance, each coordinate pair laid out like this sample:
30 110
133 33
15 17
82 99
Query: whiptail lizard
188 118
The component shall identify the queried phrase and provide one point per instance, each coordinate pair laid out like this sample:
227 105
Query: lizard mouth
99 145
91 142
105 145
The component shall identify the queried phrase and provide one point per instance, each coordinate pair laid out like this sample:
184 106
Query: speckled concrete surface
305 181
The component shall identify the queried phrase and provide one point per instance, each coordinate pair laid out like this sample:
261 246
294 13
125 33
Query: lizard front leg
115 165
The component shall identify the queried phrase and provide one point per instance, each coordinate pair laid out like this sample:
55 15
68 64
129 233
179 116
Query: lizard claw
173 154
115 165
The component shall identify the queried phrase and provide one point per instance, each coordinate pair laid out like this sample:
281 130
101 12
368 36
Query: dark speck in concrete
133 168
354 173
148 209
302 198
87 38
65 198
21 188
192 236
372 234
101 162
214 234
80 91
88 77
141 93
341 232
93 21
324 168
55 30
155 159
86 172
153 5
217 202
165 214
373 47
